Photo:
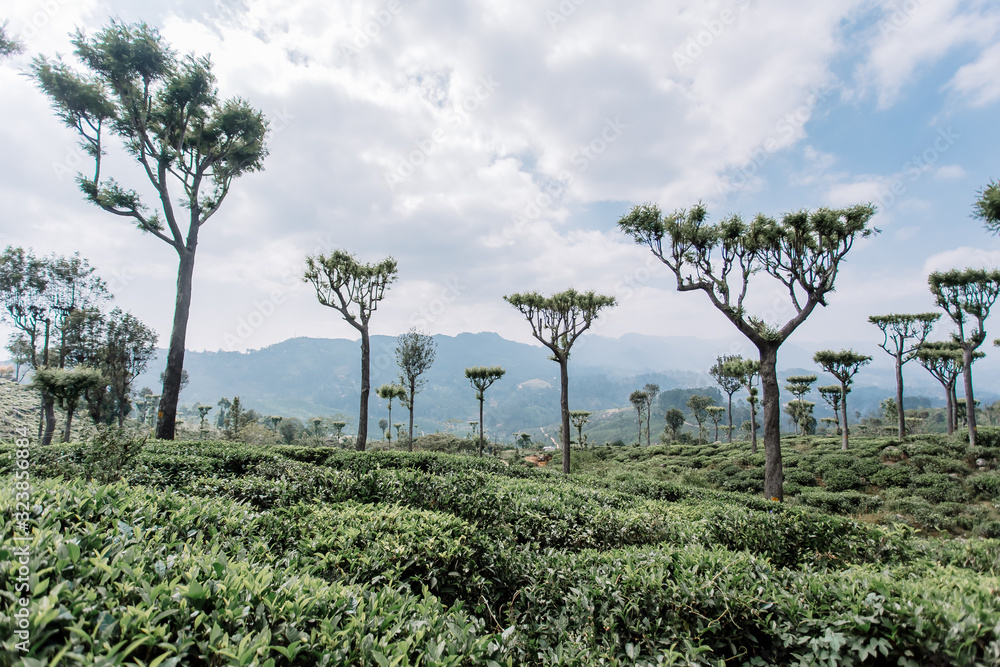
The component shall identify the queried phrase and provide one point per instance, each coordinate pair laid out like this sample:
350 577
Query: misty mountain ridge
307 377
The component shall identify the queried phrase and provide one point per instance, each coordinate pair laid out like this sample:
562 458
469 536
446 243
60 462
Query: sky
491 146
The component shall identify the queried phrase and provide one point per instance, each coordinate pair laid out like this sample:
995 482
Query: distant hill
307 377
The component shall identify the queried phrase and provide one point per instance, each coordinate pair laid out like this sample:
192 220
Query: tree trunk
481 399
970 403
843 413
649 414
774 478
730 413
49 412
69 421
899 394
753 428
950 402
639 412
366 387
388 431
564 407
410 441
167 414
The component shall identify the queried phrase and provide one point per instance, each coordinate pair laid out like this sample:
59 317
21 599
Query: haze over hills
307 377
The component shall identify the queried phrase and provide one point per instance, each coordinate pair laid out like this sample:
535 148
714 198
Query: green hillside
212 553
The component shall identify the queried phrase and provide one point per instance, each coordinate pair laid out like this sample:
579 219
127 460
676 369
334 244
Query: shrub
898 474
841 480
985 485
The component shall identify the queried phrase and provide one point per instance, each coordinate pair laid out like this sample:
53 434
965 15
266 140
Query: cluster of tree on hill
78 352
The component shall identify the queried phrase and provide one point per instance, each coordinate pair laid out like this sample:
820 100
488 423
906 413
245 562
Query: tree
638 399
557 322
415 354
699 409
896 331
802 251
482 377
387 392
801 413
166 111
236 418
944 361
203 411
966 295
843 365
799 386
833 394
715 413
730 384
675 422
9 46
39 295
987 207
224 405
580 418
747 370
354 290
66 387
652 391
383 424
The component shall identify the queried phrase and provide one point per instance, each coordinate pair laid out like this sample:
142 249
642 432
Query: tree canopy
415 353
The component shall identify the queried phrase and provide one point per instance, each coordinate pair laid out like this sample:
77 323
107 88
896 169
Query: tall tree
944 361
354 290
799 386
556 322
652 391
482 377
580 418
843 365
748 372
166 112
802 251
987 207
833 394
721 373
387 392
639 401
967 296
896 331
415 353
699 409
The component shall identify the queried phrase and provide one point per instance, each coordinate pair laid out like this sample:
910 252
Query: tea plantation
216 553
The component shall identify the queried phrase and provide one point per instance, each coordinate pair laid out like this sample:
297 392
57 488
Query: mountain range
308 377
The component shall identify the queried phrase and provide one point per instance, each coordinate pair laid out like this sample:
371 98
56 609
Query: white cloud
964 257
503 187
978 80
949 172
